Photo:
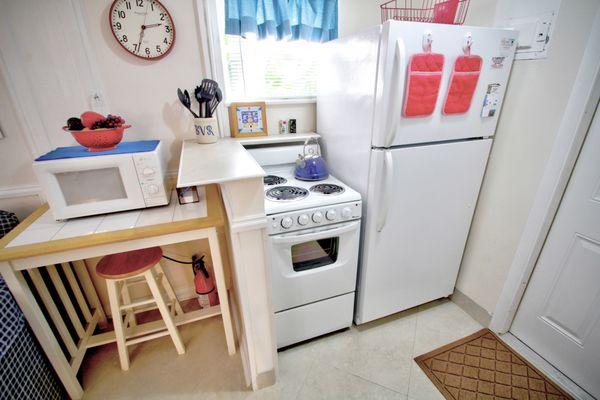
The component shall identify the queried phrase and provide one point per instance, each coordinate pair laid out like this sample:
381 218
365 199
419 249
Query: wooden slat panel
89 290
66 300
42 290
83 306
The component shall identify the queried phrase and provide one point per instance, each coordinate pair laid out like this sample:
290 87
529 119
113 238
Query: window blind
269 69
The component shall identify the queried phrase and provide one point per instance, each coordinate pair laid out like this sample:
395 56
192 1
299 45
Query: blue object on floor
139 146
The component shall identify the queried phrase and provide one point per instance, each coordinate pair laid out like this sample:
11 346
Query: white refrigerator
405 121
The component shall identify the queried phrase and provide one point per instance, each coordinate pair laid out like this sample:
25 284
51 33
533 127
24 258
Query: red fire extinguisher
204 283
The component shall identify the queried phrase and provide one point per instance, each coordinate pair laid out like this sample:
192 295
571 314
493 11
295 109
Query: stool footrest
137 304
144 338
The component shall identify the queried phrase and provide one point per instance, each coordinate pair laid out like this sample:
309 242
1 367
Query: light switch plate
535 33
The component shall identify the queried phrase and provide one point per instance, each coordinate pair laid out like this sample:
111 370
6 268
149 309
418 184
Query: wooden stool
138 266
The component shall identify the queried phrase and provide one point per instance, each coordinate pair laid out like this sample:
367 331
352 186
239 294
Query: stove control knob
303 219
346 213
331 215
287 223
317 217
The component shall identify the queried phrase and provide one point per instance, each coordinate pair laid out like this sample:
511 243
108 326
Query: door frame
579 113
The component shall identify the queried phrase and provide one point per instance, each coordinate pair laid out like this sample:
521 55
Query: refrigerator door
422 203
401 40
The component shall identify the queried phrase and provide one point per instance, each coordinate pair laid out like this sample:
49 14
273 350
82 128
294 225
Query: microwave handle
294 238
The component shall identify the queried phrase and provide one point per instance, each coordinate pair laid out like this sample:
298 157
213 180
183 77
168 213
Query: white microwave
79 183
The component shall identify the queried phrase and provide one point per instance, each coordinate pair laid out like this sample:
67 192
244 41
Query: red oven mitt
462 84
424 77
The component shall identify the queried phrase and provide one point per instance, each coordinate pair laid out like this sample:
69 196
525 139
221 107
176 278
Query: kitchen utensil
198 96
99 139
310 166
185 100
215 101
204 94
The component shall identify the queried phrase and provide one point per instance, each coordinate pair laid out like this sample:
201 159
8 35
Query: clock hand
141 37
152 25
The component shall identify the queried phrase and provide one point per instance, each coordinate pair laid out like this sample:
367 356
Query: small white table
40 242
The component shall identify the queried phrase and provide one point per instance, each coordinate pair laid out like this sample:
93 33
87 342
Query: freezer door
399 41
422 202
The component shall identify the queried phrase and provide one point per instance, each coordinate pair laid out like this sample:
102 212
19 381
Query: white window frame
209 14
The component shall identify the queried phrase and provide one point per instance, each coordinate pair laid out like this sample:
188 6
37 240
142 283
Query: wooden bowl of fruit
97 132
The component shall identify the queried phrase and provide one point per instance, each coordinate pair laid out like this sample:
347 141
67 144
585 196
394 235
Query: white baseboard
11 192
469 306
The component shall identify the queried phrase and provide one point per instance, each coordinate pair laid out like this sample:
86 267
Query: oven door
314 264
87 186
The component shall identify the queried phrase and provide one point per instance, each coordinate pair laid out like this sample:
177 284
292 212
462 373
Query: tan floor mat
482 367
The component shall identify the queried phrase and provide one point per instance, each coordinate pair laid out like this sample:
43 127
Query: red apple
88 118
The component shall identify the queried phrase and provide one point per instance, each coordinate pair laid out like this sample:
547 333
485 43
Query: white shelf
223 161
277 138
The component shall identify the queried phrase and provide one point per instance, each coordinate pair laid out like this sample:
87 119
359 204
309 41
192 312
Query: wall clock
142 27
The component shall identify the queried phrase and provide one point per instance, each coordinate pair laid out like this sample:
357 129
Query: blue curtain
313 20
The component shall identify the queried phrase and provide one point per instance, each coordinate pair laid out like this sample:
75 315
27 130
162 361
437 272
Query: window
269 69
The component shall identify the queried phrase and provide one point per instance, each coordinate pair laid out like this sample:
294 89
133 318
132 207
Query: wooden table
40 242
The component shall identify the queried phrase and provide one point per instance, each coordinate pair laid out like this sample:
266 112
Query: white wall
15 161
535 100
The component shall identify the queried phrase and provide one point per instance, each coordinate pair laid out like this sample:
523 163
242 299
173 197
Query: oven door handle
320 234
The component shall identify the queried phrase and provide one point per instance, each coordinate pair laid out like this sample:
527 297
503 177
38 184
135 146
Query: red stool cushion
130 263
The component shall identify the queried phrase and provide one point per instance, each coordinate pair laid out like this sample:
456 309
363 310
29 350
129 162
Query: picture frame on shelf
248 119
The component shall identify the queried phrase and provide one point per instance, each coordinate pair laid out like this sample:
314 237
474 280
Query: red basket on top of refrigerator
436 11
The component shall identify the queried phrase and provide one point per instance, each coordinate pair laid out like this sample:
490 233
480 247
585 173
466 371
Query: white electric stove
314 232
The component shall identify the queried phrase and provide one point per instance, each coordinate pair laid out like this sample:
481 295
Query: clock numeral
128 5
124 38
139 3
147 50
158 49
118 25
121 14
152 6
162 16
135 49
165 41
167 28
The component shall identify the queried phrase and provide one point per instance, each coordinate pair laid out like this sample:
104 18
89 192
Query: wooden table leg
22 294
215 253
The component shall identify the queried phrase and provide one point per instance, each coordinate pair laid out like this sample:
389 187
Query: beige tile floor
373 361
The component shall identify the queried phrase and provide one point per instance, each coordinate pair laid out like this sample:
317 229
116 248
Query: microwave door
102 184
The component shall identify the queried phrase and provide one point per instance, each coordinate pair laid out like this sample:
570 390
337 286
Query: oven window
315 254
91 186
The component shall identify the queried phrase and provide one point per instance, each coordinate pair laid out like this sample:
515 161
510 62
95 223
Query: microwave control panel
151 178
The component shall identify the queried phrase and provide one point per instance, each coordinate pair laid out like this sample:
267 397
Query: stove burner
327 188
271 180
282 193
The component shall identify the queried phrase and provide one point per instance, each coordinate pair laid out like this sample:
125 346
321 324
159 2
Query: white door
422 202
559 316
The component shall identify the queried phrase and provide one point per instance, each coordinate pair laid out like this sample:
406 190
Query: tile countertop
40 234
223 161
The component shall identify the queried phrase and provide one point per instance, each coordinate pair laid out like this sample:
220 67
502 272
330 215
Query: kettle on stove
310 166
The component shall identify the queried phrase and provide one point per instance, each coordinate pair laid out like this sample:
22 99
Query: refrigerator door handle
388 191
397 93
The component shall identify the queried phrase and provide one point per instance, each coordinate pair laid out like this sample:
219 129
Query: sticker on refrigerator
491 102
498 62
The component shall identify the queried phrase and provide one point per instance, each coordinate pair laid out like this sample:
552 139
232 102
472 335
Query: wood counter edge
215 218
